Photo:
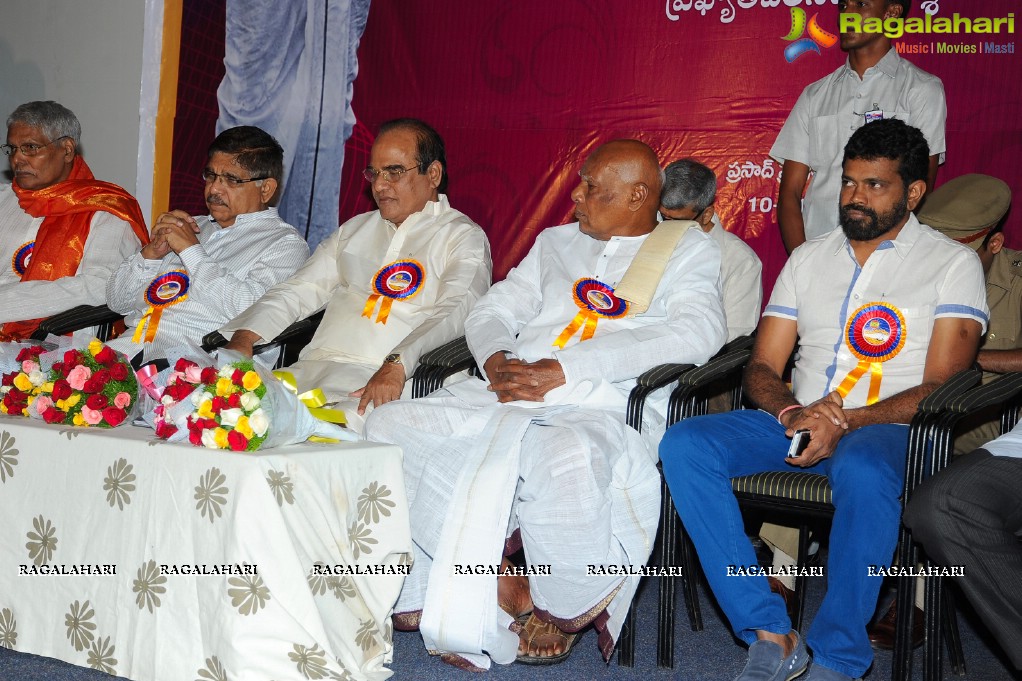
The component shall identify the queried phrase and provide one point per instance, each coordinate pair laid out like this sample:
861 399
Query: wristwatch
393 358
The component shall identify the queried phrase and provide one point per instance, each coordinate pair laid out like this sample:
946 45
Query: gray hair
688 183
54 120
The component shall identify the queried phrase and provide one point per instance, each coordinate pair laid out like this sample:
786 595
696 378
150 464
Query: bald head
619 190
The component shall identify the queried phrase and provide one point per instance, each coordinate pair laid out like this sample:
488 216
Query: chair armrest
683 400
437 364
941 398
296 331
740 343
651 380
80 317
997 391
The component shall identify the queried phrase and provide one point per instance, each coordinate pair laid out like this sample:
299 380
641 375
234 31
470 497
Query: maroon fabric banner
523 91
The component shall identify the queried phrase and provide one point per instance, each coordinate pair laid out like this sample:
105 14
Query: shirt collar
1001 272
431 209
888 65
246 218
902 244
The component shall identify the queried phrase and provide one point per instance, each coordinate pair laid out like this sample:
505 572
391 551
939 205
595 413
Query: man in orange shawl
62 232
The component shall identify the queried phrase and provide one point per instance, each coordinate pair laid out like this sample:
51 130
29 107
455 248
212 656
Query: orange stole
67 209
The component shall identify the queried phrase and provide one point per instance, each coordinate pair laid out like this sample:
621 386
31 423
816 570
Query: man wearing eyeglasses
196 273
689 192
396 282
62 232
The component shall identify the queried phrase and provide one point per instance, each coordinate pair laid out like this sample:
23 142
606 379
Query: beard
872 225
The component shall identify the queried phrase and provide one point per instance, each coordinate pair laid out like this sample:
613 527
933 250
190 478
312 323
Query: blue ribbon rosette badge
399 280
22 257
875 334
594 299
165 290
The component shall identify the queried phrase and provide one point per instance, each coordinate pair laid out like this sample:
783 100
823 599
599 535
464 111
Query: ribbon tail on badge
876 374
381 317
367 311
569 331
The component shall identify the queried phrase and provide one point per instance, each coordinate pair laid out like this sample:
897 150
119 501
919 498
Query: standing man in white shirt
539 455
197 273
883 311
396 282
690 188
873 84
62 232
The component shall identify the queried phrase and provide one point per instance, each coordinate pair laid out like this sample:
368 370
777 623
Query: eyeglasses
389 174
29 149
230 180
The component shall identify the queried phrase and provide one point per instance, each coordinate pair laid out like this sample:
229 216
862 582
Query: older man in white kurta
395 283
560 471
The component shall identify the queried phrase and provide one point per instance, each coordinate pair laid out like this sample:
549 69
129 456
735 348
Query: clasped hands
173 231
513 379
826 422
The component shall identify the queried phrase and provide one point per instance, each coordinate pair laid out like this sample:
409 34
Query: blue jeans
866 472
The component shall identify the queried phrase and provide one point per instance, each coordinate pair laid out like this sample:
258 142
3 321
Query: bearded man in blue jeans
884 310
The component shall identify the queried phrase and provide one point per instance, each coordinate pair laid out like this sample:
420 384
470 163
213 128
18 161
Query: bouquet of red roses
238 405
91 387
226 405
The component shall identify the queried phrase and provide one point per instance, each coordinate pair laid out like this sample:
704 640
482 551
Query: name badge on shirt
594 299
165 290
875 334
22 257
399 280
876 114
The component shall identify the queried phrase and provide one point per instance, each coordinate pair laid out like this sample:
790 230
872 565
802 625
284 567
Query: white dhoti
579 484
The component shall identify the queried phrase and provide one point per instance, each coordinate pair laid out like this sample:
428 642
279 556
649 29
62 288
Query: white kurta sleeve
306 291
692 332
742 290
463 281
496 319
110 241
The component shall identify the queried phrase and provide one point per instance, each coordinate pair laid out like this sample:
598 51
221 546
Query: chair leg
690 579
901 663
931 648
626 643
800 578
951 635
668 556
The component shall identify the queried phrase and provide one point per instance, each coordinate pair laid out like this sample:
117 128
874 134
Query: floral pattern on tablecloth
149 585
211 494
361 538
119 483
8 456
373 503
283 488
101 656
249 593
132 512
42 540
8 629
80 626
213 671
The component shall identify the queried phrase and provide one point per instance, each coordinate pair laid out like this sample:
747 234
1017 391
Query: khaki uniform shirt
1004 298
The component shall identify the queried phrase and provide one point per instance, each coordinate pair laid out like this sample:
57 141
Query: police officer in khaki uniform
970 209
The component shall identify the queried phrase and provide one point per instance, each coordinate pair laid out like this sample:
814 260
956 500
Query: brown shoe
787 594
881 632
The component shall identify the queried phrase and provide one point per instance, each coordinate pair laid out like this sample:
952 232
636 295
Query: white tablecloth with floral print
71 498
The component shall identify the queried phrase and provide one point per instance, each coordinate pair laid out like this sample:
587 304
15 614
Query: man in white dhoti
396 282
539 453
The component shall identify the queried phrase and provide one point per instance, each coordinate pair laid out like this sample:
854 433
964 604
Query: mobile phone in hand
799 442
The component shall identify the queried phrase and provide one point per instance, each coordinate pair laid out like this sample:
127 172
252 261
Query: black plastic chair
292 340
80 317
